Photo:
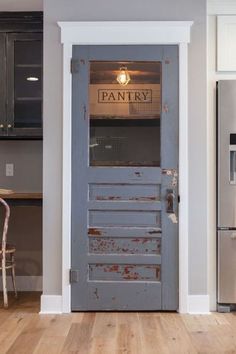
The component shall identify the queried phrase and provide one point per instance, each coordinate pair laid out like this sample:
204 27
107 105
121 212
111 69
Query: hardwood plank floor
23 330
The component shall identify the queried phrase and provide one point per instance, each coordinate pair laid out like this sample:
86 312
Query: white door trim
124 33
221 7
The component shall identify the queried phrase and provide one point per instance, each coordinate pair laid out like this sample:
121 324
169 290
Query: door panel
127 192
226 147
124 272
124 218
226 267
124 296
127 245
124 178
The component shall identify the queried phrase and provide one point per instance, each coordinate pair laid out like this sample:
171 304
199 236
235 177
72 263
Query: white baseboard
24 283
198 304
51 304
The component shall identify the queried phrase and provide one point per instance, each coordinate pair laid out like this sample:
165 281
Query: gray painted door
125 178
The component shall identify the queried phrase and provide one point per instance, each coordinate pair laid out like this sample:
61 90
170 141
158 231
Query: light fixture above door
123 76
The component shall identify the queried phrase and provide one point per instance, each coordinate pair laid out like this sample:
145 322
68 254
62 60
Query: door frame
126 33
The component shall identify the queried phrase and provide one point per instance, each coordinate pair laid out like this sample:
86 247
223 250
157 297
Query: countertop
9 194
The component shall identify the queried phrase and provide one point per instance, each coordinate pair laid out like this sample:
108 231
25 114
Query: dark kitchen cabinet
21 58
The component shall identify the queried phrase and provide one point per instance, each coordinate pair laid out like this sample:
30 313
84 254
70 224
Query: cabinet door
3 123
24 77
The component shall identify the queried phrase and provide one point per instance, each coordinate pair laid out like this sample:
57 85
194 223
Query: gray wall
21 5
60 10
27 159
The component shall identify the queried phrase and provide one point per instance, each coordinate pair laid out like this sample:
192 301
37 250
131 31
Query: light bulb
123 76
32 78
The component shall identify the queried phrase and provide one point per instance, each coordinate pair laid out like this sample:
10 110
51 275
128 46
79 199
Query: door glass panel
27 84
125 111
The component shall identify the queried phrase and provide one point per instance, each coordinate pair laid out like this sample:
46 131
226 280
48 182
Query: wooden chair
7 256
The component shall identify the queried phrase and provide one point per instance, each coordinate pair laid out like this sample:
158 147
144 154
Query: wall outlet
9 169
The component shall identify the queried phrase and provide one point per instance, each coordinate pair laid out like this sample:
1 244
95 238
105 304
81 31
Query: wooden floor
23 330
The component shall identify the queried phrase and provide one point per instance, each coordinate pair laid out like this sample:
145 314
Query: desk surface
8 194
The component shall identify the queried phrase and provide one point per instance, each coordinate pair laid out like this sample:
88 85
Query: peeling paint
138 174
94 232
154 232
143 245
96 293
108 198
111 198
174 181
173 218
128 272
154 198
111 268
169 172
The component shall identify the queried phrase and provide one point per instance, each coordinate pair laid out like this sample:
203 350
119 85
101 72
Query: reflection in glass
125 119
27 84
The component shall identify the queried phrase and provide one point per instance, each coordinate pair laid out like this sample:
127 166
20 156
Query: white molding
105 33
221 7
24 283
66 179
51 304
198 304
125 32
226 47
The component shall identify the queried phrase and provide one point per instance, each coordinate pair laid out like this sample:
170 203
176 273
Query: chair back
5 226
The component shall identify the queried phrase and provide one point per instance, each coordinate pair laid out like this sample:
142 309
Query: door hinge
74 66
178 198
74 276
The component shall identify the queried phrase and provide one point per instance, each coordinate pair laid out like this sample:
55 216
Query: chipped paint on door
124 228
124 245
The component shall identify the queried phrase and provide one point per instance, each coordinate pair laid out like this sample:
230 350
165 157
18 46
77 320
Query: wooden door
125 178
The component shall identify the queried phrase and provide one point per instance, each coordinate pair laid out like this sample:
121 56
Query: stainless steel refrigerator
226 193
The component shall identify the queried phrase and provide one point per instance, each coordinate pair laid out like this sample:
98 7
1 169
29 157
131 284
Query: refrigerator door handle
232 164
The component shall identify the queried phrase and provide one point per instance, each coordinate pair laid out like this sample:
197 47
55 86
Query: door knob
170 201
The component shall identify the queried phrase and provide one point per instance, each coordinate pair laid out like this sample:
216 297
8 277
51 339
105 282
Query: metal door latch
170 201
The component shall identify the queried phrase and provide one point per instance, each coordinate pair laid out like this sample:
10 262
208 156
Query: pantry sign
124 96
132 101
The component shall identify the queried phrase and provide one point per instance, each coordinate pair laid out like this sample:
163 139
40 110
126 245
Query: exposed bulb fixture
123 76
32 78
